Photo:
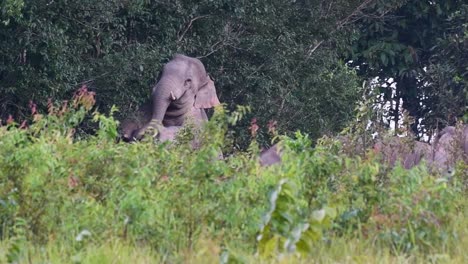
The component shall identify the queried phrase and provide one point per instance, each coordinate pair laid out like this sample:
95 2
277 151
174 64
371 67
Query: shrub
61 188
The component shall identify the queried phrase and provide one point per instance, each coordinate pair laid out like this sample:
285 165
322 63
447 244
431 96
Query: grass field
66 199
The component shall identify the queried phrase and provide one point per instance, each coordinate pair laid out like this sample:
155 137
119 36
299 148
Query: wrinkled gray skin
270 156
134 122
407 152
183 91
130 126
165 133
450 146
169 133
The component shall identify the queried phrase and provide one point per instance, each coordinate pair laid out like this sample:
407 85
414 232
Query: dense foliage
70 192
281 58
63 199
418 51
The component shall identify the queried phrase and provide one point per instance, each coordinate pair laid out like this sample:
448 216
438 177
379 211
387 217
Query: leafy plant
94 197
286 227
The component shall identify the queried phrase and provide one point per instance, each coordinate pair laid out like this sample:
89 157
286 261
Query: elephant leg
168 133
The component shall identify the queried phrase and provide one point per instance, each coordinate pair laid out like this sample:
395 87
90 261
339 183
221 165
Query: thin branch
355 12
256 71
340 25
312 50
324 10
93 79
213 50
179 39
82 23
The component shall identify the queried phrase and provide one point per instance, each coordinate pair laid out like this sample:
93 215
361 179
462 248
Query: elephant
270 156
135 121
406 151
165 134
130 126
169 133
183 91
450 146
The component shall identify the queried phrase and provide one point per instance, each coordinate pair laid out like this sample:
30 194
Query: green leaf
384 59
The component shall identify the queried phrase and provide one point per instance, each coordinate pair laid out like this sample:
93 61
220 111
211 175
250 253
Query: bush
257 55
59 188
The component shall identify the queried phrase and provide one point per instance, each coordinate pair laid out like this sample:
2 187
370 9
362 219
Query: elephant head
183 90
127 128
135 121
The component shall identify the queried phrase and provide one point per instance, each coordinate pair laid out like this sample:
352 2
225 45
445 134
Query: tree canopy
288 60
421 48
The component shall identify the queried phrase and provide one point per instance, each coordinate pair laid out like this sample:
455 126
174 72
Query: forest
335 131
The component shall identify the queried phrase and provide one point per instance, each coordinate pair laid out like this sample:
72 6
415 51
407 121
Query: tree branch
213 49
343 22
340 24
181 36
312 49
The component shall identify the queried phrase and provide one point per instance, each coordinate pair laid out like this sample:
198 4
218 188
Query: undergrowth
71 199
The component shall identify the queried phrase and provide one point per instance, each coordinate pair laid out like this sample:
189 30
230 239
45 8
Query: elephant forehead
177 67
169 80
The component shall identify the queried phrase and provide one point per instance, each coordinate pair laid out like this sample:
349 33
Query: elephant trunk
162 96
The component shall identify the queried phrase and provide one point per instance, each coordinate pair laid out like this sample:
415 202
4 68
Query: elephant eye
188 82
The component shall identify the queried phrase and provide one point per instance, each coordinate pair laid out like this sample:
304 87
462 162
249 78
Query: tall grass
72 199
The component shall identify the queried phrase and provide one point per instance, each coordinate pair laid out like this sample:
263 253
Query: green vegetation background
67 199
288 60
69 193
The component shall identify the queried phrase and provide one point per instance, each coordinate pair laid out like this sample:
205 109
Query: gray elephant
130 126
183 91
405 151
270 156
451 146
135 121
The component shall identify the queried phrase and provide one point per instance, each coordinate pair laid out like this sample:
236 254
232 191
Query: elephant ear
206 96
